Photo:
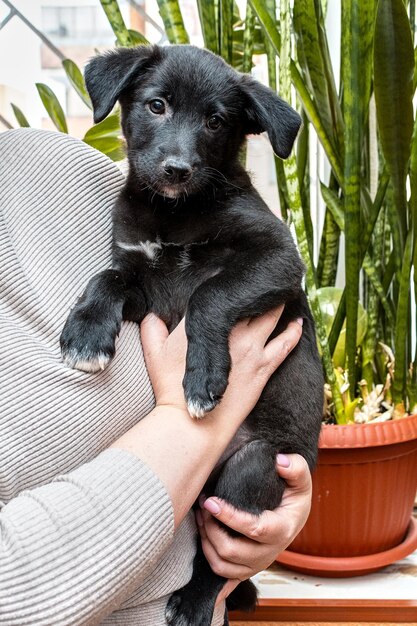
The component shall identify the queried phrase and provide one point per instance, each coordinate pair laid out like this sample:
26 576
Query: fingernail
283 460
300 320
212 507
198 518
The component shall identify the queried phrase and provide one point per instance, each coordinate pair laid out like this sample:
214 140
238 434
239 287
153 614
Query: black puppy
192 237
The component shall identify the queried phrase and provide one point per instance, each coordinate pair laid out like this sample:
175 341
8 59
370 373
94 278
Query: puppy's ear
265 111
108 74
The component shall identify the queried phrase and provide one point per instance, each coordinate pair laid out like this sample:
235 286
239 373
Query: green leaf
314 57
350 409
52 106
110 146
402 326
137 38
329 245
374 211
335 207
270 28
209 24
76 79
173 21
106 137
367 12
370 344
109 127
271 56
257 42
248 39
226 26
112 11
412 386
353 141
393 84
294 199
19 115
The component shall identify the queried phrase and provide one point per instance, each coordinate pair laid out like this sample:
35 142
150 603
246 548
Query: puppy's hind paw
172 616
182 611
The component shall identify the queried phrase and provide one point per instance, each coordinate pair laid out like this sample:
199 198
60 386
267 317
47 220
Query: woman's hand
264 536
253 360
182 451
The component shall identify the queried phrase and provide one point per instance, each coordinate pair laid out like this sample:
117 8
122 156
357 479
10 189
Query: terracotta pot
364 489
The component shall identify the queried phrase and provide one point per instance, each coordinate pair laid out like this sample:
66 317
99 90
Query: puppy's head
185 114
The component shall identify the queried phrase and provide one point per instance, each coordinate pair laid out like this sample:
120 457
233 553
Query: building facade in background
78 29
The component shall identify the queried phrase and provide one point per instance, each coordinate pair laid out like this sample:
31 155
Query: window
80 24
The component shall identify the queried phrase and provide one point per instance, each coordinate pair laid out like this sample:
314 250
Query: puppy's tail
243 598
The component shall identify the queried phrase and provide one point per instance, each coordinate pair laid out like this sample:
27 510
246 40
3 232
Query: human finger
261 326
264 324
294 469
238 550
252 526
279 348
154 333
222 566
227 590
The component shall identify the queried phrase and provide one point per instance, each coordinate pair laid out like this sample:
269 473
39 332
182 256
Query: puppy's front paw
85 360
87 344
184 609
203 390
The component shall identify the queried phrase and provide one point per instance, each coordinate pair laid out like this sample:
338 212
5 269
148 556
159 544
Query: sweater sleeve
82 526
72 551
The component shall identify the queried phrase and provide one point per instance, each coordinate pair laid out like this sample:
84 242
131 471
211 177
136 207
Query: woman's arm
72 550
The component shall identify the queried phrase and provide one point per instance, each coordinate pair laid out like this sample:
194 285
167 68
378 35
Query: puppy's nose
177 171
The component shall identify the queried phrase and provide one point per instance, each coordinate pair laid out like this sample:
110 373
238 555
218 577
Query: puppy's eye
214 122
157 106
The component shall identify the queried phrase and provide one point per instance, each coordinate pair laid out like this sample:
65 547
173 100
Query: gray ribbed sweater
86 534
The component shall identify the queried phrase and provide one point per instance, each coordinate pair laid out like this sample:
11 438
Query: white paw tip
91 364
198 409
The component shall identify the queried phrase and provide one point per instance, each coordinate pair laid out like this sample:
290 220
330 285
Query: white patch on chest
149 248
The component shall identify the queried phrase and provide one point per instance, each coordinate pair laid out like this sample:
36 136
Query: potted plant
366 481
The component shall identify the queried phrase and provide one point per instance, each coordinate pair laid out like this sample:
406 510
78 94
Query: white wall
20 65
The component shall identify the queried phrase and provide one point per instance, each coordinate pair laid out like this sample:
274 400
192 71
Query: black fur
212 251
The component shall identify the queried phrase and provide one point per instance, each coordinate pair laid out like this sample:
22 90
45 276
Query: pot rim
370 434
350 566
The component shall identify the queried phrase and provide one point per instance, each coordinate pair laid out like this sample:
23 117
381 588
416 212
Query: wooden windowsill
289 611
386 596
